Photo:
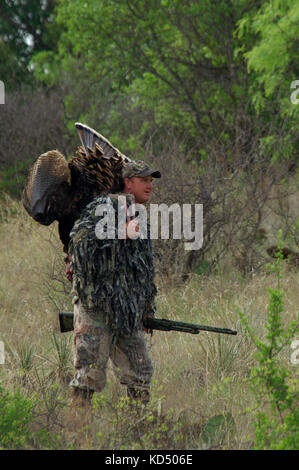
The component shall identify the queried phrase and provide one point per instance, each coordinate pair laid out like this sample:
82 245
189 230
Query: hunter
113 283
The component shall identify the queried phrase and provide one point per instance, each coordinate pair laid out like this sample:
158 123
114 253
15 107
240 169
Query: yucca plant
61 356
221 353
23 358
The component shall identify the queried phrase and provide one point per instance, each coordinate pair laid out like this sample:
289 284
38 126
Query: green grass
200 394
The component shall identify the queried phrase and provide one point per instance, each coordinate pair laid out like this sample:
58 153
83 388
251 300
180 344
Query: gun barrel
171 325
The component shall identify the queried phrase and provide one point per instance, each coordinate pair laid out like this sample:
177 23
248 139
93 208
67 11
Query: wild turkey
58 189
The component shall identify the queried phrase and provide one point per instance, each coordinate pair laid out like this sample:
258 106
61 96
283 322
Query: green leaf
218 428
203 268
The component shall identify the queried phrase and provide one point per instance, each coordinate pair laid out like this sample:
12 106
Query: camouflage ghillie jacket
112 276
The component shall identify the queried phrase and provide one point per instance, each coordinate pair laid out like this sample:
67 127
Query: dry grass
196 376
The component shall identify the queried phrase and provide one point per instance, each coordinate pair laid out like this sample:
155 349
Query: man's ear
126 182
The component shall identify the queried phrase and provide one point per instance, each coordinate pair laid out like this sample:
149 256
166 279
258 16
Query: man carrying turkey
113 283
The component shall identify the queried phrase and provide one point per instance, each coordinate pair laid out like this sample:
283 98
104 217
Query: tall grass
200 393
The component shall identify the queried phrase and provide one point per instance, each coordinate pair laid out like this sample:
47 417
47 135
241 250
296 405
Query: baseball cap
139 168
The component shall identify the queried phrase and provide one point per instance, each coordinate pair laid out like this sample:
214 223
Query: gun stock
66 322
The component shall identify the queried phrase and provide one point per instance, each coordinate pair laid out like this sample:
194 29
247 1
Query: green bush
13 179
15 416
17 424
276 399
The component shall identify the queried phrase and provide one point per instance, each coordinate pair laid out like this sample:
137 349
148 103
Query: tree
25 28
175 58
272 59
196 67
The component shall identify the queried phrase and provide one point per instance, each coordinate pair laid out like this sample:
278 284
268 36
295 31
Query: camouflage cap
140 169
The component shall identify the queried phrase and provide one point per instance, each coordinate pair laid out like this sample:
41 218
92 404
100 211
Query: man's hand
69 273
132 229
148 330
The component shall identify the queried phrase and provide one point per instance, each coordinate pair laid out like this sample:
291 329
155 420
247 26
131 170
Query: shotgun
66 320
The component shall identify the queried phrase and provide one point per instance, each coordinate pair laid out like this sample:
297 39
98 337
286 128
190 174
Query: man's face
140 187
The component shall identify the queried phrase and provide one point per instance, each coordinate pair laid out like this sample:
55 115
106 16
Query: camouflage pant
95 343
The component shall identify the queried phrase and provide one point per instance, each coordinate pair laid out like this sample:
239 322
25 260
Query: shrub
15 416
277 413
